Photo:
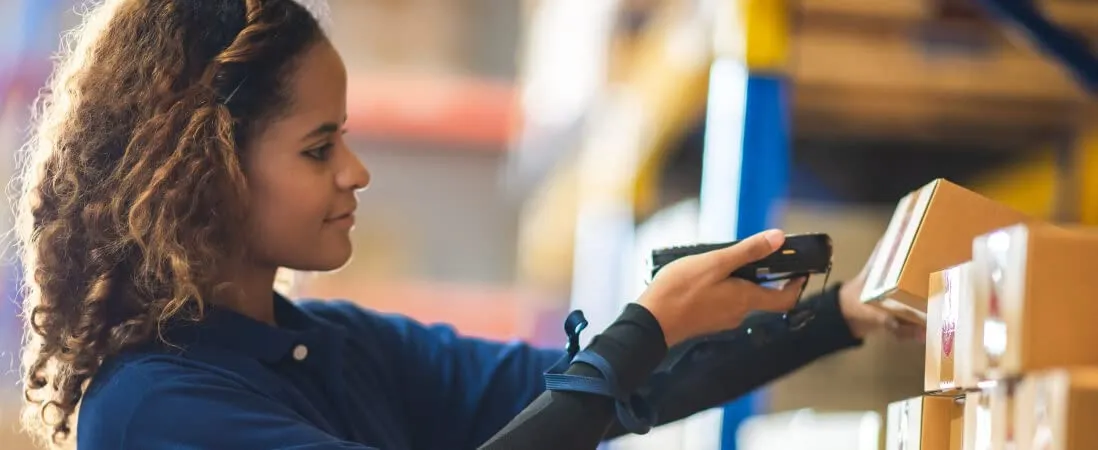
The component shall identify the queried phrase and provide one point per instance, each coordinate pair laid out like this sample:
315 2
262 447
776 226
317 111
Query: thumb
754 248
910 332
879 318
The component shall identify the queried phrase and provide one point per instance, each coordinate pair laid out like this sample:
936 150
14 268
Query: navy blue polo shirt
331 376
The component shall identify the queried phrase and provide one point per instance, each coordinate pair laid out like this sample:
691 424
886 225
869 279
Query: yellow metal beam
1029 186
766 26
1088 175
1032 186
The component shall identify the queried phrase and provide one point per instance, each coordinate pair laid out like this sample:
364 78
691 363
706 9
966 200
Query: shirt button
301 352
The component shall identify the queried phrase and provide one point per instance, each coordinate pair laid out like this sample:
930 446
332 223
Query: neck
251 291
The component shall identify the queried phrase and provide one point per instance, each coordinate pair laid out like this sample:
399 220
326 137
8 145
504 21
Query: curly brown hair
132 190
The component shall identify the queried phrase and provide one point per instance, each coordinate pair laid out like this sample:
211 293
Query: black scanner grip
800 255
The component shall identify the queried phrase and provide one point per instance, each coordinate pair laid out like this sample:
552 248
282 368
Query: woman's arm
457 391
707 372
633 346
696 375
466 390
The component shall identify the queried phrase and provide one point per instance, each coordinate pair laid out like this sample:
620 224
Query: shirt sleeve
632 346
470 391
465 389
694 376
196 410
710 371
455 391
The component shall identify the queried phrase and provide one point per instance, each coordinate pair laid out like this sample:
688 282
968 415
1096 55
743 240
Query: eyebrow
324 129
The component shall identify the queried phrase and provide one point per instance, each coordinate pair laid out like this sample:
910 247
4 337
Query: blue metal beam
745 176
764 188
1069 49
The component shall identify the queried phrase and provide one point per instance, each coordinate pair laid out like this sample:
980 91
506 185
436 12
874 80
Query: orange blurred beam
461 112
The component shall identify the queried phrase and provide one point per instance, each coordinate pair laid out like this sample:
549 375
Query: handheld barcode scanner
800 255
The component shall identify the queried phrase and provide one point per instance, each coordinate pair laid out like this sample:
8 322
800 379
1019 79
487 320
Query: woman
187 150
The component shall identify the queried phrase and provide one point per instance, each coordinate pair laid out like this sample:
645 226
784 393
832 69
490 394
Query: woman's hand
695 295
866 319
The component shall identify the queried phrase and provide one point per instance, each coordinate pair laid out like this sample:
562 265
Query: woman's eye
320 153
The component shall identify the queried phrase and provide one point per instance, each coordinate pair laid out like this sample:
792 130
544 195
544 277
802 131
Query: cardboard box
931 229
1056 410
949 331
1002 403
932 370
925 423
969 335
1038 288
989 418
977 422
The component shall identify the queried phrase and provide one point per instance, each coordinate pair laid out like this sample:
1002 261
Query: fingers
758 298
910 332
882 319
754 248
781 300
879 317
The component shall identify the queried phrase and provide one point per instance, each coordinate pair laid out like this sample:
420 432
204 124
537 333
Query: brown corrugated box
977 422
932 370
1056 410
946 337
989 418
925 423
1003 402
931 229
969 334
1038 287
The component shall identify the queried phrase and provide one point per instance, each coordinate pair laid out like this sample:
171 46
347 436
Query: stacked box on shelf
949 319
1008 303
1056 410
1003 404
949 332
988 422
925 423
976 434
1023 355
932 229
1035 292
953 331
1037 289
953 339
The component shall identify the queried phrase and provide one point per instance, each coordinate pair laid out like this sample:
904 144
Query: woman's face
302 177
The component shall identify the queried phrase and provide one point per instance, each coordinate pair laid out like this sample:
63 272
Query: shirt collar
226 329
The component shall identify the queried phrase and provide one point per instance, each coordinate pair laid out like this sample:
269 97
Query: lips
346 215
344 221
344 218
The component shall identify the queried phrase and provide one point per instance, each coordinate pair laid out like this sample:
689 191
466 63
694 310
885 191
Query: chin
324 261
335 262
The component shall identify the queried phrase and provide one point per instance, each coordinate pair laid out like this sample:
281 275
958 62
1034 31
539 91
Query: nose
353 175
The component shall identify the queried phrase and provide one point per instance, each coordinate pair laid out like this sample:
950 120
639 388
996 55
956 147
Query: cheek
283 215
288 199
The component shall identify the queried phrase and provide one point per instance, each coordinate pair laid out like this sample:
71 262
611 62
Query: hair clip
229 98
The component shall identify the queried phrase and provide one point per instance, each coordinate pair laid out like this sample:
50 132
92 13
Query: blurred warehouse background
526 154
